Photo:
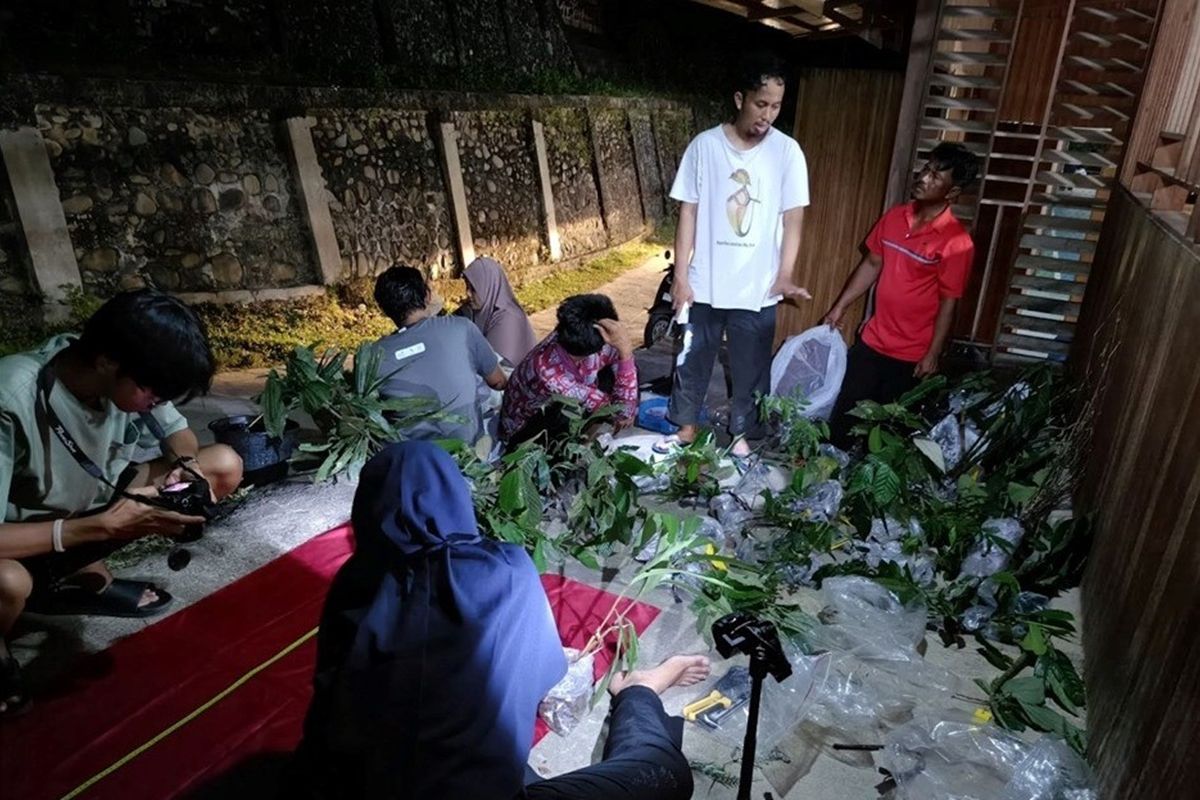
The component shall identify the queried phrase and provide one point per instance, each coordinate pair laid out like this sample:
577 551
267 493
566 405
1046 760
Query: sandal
668 444
743 464
13 693
119 599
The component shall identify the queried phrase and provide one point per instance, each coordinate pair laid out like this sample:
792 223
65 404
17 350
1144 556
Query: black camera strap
47 415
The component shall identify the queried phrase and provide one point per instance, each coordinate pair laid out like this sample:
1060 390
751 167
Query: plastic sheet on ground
569 700
811 365
987 556
955 758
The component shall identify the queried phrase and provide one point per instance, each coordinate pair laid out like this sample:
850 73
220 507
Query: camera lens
179 558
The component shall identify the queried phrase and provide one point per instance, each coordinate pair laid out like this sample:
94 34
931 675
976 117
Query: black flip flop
119 599
12 684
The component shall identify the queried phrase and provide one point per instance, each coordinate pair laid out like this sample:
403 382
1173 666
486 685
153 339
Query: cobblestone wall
619 179
386 191
192 189
176 199
500 176
572 180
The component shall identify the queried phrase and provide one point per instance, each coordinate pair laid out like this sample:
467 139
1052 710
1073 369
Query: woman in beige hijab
494 309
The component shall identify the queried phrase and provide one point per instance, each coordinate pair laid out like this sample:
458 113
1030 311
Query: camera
193 499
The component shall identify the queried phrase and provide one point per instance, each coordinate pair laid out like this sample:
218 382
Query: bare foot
675 671
741 448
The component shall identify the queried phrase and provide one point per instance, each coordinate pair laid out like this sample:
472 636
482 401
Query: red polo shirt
920 268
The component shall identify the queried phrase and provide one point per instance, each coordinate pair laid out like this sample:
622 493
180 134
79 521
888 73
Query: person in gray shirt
443 358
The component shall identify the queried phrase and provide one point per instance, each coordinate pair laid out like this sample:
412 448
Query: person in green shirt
104 394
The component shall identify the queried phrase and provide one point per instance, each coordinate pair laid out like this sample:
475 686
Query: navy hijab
435 647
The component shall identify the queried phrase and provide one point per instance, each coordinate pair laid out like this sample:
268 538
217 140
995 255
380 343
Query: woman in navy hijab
436 646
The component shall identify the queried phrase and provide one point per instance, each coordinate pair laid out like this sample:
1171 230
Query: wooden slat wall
1028 87
845 123
1167 64
1141 596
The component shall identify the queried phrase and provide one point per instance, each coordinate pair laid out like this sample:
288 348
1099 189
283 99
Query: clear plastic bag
840 456
733 516
1051 770
959 759
811 365
569 700
864 618
987 557
753 483
948 436
821 502
951 759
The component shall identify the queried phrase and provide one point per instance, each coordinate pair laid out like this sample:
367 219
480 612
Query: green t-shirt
39 478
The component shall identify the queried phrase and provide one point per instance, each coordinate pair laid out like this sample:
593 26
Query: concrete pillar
40 216
314 203
452 169
543 165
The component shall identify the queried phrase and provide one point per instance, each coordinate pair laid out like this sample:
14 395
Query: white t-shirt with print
742 195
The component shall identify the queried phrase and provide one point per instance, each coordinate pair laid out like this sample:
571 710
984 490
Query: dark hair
399 291
961 162
577 318
155 340
755 69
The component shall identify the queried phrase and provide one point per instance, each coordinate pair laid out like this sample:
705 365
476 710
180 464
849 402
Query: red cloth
920 269
118 700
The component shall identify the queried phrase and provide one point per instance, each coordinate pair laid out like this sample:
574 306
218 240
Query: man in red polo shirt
920 254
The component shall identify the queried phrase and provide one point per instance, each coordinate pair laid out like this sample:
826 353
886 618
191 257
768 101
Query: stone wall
500 176
385 189
197 190
573 180
175 198
618 173
673 129
646 155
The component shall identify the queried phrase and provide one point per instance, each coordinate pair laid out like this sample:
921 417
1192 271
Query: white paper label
409 352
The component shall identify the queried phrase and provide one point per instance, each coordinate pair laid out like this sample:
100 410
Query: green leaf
886 485
1044 719
875 440
539 555
931 450
1020 493
1035 640
1029 690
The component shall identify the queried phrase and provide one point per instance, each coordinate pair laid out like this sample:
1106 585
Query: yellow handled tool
714 699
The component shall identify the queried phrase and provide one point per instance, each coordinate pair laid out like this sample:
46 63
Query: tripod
741 633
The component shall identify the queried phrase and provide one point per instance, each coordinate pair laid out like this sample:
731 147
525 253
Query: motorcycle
661 313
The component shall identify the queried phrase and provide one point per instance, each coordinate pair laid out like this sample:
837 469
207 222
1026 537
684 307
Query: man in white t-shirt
742 188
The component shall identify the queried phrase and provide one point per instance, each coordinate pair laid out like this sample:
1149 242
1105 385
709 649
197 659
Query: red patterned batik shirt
550 370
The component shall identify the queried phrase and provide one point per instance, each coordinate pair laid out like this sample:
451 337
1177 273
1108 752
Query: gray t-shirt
443 358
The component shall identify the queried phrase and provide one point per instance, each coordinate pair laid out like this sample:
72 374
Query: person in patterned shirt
588 357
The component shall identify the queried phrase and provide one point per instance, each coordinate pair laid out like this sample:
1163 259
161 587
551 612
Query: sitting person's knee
16 584
223 468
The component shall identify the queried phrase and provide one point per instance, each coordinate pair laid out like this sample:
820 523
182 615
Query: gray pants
750 336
